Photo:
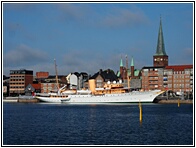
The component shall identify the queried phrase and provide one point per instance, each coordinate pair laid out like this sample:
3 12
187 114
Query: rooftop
179 67
106 75
36 86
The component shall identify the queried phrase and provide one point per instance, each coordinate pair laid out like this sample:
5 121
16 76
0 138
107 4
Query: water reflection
62 124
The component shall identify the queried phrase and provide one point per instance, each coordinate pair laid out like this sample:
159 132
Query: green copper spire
121 63
132 64
160 43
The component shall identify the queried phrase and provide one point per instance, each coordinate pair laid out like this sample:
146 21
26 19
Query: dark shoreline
175 102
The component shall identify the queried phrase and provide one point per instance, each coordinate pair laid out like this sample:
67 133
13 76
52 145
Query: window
187 85
169 85
99 81
187 72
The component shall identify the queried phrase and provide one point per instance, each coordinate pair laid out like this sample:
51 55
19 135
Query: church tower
160 58
121 68
132 68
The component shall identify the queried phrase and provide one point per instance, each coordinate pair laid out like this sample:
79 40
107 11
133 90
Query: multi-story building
48 87
19 79
178 78
82 79
152 78
6 85
50 84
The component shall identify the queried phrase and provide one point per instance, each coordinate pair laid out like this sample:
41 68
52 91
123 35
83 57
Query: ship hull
132 97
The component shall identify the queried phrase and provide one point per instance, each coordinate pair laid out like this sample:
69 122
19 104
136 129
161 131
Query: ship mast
128 85
57 83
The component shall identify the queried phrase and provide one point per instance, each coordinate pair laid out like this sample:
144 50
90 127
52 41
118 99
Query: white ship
110 93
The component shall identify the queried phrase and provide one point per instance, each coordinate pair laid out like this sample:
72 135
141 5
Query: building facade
6 81
48 87
152 78
50 84
31 89
132 73
103 77
123 71
178 78
42 75
19 79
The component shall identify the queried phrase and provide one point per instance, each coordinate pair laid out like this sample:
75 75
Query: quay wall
21 100
175 101
28 100
10 99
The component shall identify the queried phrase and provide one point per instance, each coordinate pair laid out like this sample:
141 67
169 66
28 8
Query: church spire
132 63
132 68
160 43
121 63
160 58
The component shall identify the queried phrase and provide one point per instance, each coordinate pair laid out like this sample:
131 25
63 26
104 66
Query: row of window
45 88
16 84
181 86
22 87
21 72
169 86
46 84
153 77
178 85
16 80
181 81
178 76
169 76
178 72
15 76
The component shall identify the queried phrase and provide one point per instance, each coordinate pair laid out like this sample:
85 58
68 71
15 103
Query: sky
86 37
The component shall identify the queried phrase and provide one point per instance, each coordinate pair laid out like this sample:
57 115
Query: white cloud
24 55
73 12
111 17
90 62
123 17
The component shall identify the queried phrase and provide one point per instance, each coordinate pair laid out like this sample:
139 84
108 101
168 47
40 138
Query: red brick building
19 79
152 78
41 75
48 87
178 78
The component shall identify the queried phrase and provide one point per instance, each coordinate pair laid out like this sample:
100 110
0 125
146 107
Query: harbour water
111 124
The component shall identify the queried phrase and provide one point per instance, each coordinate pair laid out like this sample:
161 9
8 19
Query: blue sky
86 37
